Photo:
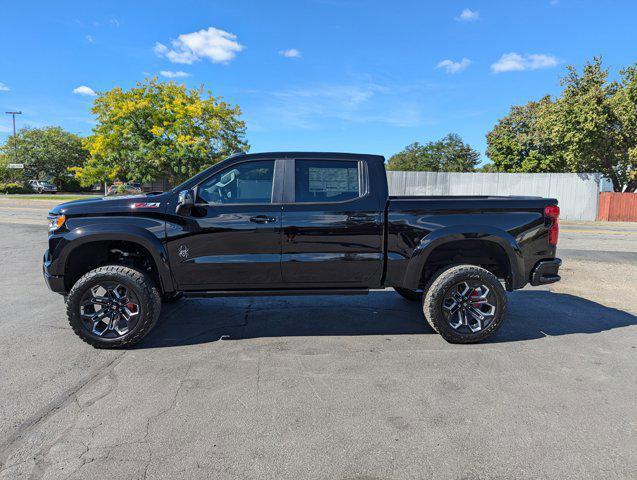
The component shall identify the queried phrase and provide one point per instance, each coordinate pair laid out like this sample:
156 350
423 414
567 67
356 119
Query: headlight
56 222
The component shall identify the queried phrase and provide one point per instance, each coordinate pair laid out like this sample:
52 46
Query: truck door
232 238
332 226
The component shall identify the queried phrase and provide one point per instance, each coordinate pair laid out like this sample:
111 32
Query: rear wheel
465 304
411 295
113 306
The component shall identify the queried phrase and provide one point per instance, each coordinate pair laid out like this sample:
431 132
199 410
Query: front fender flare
462 232
97 233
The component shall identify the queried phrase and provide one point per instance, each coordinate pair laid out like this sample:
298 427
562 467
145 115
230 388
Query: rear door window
319 181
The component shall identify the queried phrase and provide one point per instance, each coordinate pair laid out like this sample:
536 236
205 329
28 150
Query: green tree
96 170
449 154
585 125
47 153
518 144
488 167
9 175
159 129
625 105
590 127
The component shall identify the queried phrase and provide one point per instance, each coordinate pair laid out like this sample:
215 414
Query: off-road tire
411 295
172 297
141 284
446 278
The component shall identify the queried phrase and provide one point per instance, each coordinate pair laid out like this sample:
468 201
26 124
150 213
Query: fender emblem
146 205
183 251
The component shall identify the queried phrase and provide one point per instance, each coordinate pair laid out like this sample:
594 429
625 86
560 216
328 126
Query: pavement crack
162 412
113 382
54 406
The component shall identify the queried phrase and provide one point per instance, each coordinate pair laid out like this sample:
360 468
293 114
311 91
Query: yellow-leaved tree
159 129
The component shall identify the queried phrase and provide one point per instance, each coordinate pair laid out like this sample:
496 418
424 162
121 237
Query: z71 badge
183 251
146 205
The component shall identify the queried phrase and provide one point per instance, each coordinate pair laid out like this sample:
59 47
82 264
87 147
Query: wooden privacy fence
617 207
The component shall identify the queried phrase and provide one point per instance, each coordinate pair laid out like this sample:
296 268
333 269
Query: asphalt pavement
325 387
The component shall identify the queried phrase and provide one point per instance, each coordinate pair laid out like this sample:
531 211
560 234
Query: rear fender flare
461 232
97 233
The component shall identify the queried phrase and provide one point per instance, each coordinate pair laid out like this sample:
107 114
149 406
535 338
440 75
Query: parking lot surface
325 387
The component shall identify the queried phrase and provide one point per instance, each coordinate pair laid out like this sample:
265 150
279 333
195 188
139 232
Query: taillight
552 212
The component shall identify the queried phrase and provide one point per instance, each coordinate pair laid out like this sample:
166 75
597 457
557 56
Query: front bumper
54 282
545 272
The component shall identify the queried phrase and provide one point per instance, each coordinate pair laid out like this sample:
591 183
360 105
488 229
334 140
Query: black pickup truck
296 223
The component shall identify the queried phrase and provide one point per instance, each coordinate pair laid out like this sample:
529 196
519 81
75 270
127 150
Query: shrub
13 188
70 184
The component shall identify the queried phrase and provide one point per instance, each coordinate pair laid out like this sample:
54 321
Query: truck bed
473 201
418 223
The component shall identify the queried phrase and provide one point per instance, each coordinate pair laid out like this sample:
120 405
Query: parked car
40 186
120 188
296 224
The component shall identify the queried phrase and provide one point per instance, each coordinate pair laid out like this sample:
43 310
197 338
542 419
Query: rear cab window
321 181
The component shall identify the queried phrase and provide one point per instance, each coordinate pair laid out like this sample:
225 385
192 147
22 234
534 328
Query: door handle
359 218
262 219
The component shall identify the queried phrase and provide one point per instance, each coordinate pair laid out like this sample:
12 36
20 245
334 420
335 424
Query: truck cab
295 221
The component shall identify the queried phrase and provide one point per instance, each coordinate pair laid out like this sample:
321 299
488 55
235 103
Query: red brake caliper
474 294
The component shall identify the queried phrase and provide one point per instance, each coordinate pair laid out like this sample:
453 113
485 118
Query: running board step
273 293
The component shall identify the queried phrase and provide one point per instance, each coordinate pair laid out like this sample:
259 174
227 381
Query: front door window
249 182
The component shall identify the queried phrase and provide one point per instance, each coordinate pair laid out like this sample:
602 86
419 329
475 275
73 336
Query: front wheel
465 304
113 306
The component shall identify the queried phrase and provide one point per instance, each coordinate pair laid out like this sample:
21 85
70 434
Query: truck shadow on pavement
532 314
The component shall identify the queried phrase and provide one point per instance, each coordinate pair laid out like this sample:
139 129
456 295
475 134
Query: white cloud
89 39
468 15
216 45
514 62
314 106
3 87
539 60
171 74
290 53
84 90
454 67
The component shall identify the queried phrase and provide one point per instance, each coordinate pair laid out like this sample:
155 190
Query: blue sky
349 75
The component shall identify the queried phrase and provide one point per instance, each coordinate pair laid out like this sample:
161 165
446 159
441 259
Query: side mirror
185 201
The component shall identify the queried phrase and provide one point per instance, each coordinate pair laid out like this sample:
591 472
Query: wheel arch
477 235
82 237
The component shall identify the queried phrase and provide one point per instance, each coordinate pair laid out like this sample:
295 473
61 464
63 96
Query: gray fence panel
577 193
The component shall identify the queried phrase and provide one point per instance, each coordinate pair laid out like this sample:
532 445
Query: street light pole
15 140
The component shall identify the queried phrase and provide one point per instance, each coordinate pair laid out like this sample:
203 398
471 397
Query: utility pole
15 140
